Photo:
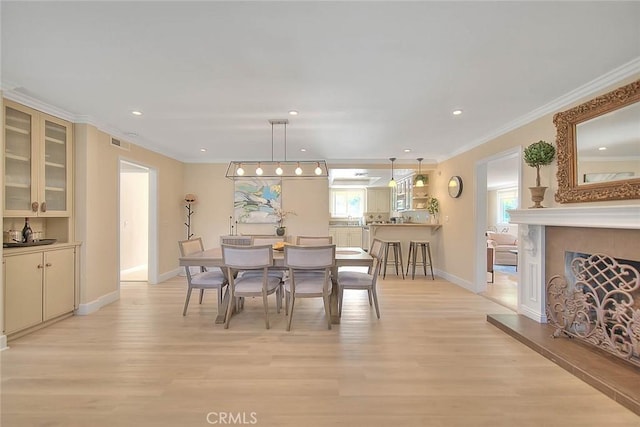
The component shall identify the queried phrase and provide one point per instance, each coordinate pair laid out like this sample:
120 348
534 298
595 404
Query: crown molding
589 89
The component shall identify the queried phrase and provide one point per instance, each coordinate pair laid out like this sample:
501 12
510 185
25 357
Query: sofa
502 243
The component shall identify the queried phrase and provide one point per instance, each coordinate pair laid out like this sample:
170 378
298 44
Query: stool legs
397 258
412 259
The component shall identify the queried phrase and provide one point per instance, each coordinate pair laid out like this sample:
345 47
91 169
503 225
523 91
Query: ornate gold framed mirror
598 148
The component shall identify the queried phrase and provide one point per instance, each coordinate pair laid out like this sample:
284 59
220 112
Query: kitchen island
404 233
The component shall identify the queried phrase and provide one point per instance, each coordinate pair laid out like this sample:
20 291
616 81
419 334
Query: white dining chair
363 281
250 258
205 279
301 259
314 240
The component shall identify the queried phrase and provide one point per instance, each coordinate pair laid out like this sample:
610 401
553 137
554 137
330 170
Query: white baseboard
170 274
456 280
3 342
527 312
93 306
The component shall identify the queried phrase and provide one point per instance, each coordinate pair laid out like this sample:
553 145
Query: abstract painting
255 200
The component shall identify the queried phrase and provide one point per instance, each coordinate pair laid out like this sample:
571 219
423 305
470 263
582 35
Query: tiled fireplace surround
543 237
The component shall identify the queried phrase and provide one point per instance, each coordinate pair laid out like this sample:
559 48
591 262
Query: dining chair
301 259
250 258
205 279
314 240
266 240
236 240
363 281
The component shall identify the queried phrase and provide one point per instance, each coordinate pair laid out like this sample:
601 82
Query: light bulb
279 170
298 170
419 183
392 183
240 171
318 170
259 170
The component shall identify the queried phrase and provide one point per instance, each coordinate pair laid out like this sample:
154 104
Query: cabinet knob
34 206
48 264
43 207
40 266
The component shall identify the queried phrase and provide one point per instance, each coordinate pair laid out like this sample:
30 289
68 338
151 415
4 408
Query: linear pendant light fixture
392 183
420 180
277 168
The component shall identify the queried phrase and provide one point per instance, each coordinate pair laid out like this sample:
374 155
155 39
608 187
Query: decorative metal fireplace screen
600 305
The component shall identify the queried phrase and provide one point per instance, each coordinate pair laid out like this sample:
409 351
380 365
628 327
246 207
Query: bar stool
414 246
396 249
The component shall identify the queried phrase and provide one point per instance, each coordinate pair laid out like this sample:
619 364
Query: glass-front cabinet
37 154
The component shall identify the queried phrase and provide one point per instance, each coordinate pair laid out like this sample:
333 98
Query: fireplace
597 301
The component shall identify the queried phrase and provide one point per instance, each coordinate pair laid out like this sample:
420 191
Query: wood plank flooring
431 360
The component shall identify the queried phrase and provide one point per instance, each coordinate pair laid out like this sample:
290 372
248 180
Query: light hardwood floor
431 360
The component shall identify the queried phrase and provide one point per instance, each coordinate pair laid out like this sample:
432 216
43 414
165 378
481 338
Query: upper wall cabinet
38 155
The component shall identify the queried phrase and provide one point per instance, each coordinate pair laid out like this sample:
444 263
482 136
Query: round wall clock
455 186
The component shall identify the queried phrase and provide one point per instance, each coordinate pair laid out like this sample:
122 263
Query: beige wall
308 198
457 244
97 170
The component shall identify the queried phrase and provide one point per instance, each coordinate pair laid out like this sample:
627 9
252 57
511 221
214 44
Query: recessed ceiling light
136 113
407 150
203 149
456 112
602 148
293 113
303 149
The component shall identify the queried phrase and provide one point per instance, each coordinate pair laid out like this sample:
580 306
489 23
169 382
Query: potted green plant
281 215
536 155
433 207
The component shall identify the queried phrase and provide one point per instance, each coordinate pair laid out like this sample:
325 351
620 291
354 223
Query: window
347 202
507 199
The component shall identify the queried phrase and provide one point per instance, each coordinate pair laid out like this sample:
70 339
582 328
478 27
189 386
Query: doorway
499 189
134 222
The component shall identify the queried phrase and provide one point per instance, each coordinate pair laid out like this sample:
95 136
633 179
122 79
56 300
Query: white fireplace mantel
625 216
531 244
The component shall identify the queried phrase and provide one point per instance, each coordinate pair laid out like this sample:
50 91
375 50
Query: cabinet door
20 175
355 237
59 282
55 172
383 202
23 291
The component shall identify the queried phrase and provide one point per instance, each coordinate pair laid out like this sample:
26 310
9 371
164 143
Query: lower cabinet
39 286
346 236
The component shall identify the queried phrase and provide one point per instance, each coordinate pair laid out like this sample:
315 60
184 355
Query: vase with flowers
281 214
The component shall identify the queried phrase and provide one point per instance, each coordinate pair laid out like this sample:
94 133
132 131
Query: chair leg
232 303
327 310
186 302
400 255
201 296
415 261
409 256
375 299
286 302
340 296
265 301
369 294
293 302
430 263
385 259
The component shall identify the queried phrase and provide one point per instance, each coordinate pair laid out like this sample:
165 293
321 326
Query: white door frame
481 212
152 258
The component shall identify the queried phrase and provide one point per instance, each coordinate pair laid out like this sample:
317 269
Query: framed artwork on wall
255 200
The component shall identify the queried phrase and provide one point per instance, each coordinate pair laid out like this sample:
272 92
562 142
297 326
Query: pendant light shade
392 183
420 180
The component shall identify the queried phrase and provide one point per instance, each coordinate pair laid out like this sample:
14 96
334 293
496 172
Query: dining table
345 257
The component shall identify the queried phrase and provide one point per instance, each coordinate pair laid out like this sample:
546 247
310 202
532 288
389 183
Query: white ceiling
369 79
